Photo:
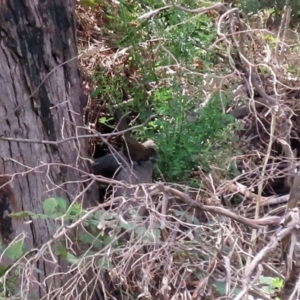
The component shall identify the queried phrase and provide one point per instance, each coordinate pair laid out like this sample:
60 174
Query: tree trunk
40 99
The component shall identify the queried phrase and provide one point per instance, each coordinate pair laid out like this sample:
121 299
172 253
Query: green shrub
169 82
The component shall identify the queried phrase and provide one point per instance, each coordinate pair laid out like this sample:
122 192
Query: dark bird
139 152
108 165
132 151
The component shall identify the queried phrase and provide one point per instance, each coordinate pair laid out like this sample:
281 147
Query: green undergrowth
169 56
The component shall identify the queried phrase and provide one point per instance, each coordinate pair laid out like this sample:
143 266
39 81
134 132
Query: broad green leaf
139 230
72 259
62 203
3 270
49 206
128 226
89 239
266 280
14 250
178 213
221 288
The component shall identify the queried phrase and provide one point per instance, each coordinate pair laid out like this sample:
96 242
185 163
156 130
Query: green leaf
107 240
270 283
128 225
49 206
104 263
266 280
139 230
178 213
62 203
72 259
61 251
89 239
278 282
14 250
3 269
75 209
221 288
96 92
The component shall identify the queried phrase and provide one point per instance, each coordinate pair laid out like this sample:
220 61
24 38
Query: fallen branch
258 223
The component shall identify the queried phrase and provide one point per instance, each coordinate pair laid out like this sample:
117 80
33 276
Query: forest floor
269 148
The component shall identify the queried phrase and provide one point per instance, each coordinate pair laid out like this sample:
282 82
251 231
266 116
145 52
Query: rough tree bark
40 99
